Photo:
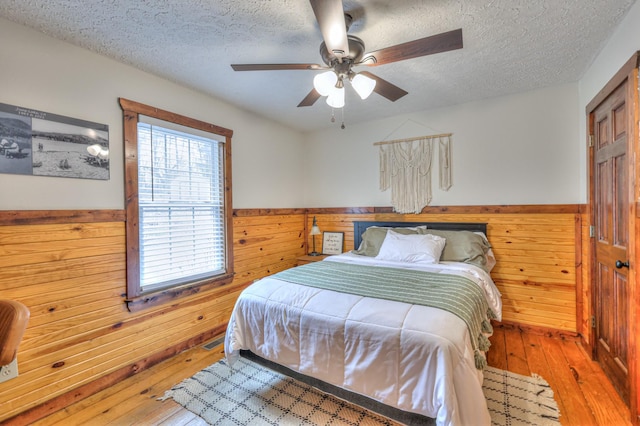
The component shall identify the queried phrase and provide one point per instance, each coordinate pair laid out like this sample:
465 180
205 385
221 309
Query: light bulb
336 98
363 85
325 82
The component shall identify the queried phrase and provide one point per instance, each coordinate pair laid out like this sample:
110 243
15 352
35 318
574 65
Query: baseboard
536 330
587 348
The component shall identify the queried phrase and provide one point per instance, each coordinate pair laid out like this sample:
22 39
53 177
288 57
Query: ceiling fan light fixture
341 51
336 97
363 85
325 82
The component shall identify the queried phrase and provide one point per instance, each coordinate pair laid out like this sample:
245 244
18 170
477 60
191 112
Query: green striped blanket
453 293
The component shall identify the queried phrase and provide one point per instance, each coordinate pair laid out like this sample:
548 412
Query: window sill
160 297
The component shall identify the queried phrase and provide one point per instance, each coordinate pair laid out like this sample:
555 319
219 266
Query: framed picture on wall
44 144
332 242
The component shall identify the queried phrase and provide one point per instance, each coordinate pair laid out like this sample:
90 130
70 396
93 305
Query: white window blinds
181 203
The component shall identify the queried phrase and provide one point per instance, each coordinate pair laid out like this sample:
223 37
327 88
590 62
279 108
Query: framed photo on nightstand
332 242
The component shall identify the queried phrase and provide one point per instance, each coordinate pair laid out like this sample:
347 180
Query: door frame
629 73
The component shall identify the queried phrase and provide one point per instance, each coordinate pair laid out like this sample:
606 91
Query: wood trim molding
47 217
129 105
144 301
85 391
578 272
536 330
130 132
622 74
523 209
267 212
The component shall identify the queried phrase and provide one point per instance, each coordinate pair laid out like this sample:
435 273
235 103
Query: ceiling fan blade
310 99
330 17
275 67
443 42
384 88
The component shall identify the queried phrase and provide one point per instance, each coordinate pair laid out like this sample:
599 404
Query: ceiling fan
341 52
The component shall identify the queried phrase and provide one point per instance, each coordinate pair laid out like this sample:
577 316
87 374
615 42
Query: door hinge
590 141
593 322
592 231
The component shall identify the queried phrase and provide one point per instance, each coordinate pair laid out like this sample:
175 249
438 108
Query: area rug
251 394
514 399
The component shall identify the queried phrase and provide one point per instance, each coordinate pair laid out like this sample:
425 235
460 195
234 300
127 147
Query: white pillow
413 248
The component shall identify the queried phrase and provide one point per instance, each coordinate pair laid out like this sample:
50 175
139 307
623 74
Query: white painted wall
44 74
528 148
519 149
624 42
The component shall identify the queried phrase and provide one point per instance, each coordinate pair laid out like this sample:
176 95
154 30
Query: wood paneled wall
537 248
69 269
72 278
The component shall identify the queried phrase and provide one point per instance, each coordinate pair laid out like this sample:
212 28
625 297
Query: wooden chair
13 322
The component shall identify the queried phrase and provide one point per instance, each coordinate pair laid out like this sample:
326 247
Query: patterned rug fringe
514 399
546 402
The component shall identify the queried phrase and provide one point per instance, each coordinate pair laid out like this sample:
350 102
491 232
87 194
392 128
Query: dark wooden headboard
359 227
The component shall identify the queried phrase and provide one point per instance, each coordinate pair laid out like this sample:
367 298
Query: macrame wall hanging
405 167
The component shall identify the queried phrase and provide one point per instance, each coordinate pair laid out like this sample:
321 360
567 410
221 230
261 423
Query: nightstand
303 260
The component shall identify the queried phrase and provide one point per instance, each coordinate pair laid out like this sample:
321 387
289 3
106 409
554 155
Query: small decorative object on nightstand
332 242
314 231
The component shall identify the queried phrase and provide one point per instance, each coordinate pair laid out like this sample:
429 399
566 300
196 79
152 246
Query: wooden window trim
137 300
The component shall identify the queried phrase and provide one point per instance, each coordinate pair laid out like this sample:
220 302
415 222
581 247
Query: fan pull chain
333 117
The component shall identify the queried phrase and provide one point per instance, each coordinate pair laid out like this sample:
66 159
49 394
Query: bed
401 322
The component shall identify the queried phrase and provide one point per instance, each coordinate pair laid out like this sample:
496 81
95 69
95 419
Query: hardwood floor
581 390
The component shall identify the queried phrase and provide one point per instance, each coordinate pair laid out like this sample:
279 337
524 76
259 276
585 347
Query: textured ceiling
510 46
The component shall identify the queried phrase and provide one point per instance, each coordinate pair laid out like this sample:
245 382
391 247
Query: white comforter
415 358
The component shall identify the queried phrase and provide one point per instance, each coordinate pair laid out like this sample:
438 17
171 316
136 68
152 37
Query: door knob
620 264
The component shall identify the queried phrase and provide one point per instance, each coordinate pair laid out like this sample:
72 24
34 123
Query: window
178 180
